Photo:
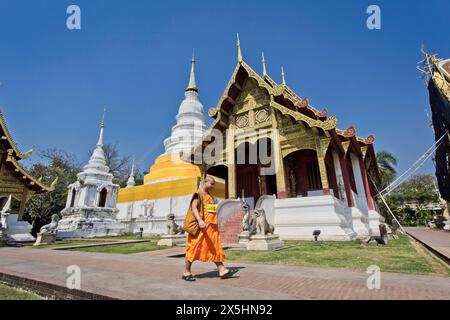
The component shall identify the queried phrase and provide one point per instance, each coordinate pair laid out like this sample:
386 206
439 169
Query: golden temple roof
6 136
311 116
14 156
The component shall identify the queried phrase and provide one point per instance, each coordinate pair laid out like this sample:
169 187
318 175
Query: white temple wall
361 200
157 223
339 177
297 218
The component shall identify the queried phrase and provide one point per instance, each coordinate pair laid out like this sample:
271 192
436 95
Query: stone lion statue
262 226
4 213
172 227
51 227
248 223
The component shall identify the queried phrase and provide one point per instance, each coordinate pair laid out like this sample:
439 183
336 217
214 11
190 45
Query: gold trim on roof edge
11 141
30 177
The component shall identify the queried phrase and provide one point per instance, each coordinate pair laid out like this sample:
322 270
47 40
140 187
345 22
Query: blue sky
133 57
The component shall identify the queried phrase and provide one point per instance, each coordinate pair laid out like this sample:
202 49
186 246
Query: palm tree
386 167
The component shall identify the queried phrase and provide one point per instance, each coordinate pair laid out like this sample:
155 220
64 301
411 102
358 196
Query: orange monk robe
206 245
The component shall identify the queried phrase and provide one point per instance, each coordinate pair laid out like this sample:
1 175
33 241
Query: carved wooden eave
336 142
297 101
11 144
32 183
270 81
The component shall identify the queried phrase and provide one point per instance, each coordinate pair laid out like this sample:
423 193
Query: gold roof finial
264 65
53 185
282 76
29 152
239 49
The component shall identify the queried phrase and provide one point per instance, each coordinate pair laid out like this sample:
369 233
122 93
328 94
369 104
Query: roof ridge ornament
29 152
283 79
264 65
240 59
54 183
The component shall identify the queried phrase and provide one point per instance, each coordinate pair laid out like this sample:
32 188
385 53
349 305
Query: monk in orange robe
205 245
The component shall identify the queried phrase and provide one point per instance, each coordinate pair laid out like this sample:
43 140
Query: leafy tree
53 163
420 189
413 202
386 166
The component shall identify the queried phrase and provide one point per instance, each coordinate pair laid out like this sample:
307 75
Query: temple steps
229 232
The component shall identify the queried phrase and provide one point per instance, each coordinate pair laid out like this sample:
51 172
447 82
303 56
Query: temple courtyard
138 269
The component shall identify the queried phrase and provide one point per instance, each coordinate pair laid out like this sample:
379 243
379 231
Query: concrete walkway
437 240
158 277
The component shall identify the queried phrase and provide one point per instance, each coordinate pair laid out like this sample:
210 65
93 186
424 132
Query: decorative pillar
23 202
323 175
231 164
321 150
347 185
279 166
365 179
278 156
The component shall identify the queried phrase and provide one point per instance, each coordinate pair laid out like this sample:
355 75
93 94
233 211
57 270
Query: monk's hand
202 224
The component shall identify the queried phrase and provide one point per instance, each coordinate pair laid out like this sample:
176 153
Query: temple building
91 206
437 73
322 177
169 185
16 181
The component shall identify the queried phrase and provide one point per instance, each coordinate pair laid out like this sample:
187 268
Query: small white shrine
91 206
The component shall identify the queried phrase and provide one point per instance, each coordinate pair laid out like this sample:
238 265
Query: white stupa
190 120
169 185
91 207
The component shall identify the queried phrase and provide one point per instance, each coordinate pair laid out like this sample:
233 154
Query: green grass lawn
7 293
129 237
400 255
124 248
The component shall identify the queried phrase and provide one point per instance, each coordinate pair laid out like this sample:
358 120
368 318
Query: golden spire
102 124
282 76
239 49
192 84
264 65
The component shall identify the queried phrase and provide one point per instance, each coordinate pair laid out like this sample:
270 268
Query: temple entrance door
271 185
247 181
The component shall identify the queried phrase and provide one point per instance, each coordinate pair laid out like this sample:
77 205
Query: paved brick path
438 240
156 277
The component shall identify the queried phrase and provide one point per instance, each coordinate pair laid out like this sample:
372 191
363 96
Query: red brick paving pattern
437 239
152 277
